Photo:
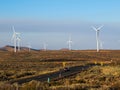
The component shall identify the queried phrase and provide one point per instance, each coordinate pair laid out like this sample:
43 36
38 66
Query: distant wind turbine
14 38
18 43
45 46
29 47
97 36
70 43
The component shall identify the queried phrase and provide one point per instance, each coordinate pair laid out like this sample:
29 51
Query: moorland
105 75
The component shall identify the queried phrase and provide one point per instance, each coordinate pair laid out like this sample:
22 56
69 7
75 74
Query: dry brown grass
24 64
111 70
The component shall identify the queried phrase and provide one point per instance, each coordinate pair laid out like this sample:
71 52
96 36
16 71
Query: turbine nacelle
97 29
69 41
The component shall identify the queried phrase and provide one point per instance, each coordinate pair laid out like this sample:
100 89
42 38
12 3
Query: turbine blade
100 27
94 28
13 28
13 36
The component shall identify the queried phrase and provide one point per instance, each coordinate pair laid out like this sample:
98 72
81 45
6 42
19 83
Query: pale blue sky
52 21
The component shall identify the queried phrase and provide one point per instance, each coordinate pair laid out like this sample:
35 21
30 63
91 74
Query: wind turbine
97 36
18 43
69 43
45 46
14 38
29 47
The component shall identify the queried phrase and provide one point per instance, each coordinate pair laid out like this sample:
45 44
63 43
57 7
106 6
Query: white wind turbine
18 43
14 38
69 43
44 46
29 47
97 36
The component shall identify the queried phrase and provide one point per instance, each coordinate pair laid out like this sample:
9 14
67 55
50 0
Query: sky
53 21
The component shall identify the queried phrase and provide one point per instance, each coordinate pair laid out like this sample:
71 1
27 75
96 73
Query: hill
11 48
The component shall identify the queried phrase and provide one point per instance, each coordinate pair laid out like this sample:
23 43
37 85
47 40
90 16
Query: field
21 65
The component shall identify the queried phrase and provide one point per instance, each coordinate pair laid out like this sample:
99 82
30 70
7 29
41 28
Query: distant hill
64 49
11 48
7 48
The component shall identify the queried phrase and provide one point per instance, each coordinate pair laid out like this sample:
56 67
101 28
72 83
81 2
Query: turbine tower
97 36
29 47
69 43
45 46
14 38
18 43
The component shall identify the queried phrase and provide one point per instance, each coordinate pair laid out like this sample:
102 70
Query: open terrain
25 70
